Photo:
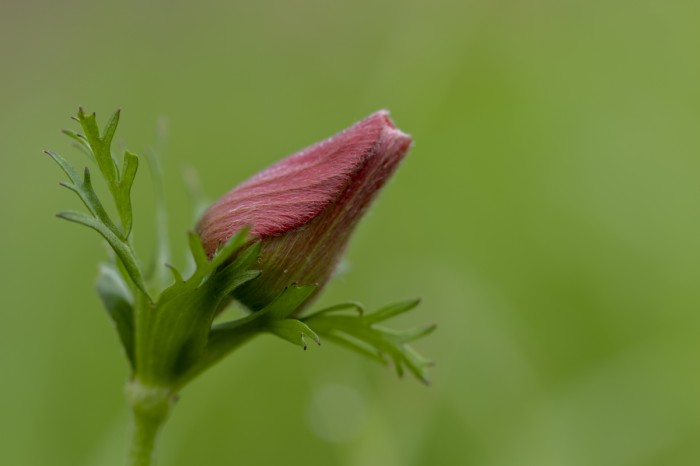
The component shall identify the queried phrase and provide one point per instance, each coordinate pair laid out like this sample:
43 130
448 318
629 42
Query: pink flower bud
305 207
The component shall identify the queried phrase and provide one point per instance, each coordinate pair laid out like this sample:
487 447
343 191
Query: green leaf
83 188
234 279
392 310
289 301
121 249
357 307
176 274
356 346
294 331
407 336
100 150
358 333
119 184
117 299
177 329
131 164
81 143
205 267
197 250
224 338
110 129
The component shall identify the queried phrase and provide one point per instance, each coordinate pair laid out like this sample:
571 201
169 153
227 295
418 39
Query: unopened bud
304 208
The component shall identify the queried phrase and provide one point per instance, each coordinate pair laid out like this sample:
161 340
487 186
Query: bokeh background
547 215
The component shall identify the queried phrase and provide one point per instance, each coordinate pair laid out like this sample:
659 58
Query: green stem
150 407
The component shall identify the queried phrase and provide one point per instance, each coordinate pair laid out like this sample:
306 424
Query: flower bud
304 208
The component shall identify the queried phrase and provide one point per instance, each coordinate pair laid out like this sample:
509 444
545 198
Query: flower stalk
150 407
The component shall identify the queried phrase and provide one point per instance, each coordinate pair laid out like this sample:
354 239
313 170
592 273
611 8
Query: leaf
197 249
407 336
358 333
110 129
81 143
179 324
224 338
294 331
357 307
121 249
84 191
117 299
176 274
234 281
119 186
363 349
205 267
100 150
131 164
287 302
392 310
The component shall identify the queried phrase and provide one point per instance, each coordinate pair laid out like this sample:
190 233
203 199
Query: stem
150 407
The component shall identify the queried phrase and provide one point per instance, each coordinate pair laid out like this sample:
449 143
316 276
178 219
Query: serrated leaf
359 334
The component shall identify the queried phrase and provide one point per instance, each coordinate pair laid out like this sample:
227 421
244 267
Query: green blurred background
547 215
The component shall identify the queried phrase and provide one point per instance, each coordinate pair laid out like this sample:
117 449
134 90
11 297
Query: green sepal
357 331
